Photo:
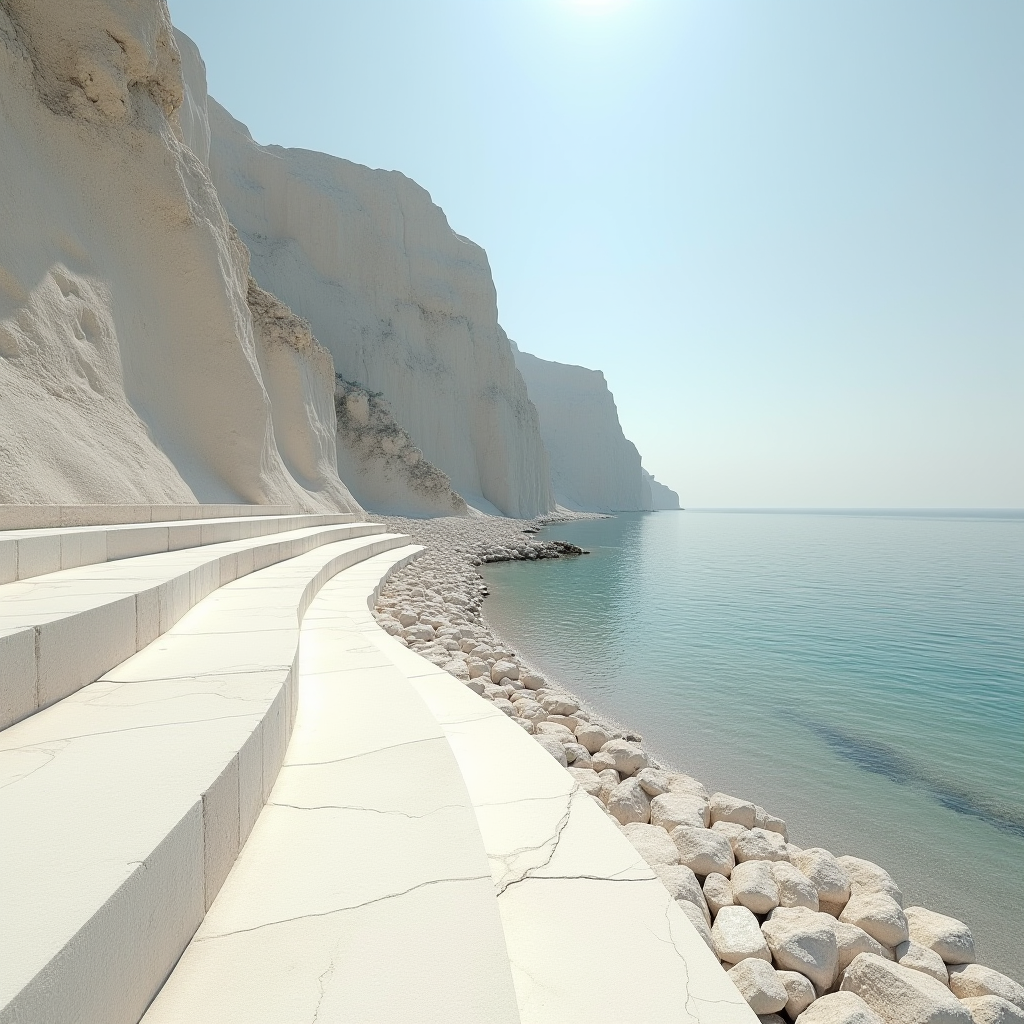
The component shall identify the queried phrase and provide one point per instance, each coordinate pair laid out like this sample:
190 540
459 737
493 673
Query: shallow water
859 674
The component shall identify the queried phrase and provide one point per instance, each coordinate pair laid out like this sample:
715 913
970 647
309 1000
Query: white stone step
61 631
25 553
363 892
124 805
27 517
565 875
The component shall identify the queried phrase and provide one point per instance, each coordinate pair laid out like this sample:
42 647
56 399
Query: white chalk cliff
662 498
406 306
594 467
129 368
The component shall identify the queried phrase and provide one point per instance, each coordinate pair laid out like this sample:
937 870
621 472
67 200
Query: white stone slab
25 554
363 893
90 618
560 864
124 805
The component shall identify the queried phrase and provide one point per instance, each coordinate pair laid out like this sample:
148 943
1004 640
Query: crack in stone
365 753
50 756
372 810
560 827
343 910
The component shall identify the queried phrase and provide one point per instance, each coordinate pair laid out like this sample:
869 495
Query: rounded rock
947 936
869 877
993 1010
753 886
831 881
737 936
795 888
670 810
839 1008
587 779
703 850
592 736
627 758
803 941
969 981
730 808
654 780
554 747
853 941
759 985
760 844
696 918
900 995
879 915
800 991
652 843
628 802
718 893
683 886
910 954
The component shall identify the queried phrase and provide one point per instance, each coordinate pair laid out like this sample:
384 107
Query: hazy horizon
790 235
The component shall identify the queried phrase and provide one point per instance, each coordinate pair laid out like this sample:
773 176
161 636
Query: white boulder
682 885
703 850
679 783
670 810
795 888
754 887
627 758
592 736
993 1010
730 808
737 936
654 780
652 843
879 915
759 985
900 995
866 875
839 1008
760 844
971 980
554 747
853 941
587 779
609 781
696 918
557 703
799 990
803 941
831 881
718 892
947 936
920 958
628 802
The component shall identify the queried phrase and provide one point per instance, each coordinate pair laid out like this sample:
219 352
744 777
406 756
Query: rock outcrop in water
662 498
128 363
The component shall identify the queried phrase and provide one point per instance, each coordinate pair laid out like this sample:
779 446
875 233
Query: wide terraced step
26 553
364 892
124 805
563 873
61 631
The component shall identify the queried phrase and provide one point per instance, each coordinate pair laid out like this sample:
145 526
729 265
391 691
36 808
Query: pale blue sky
791 232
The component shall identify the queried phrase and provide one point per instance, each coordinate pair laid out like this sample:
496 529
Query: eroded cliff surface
405 305
663 499
593 465
128 364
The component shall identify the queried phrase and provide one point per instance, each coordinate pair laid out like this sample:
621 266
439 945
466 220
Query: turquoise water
859 674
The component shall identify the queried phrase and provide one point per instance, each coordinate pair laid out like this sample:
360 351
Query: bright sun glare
596 5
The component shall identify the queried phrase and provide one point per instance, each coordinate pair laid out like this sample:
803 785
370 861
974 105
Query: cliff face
406 307
593 466
128 366
662 498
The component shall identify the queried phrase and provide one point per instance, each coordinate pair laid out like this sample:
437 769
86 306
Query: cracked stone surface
557 861
364 892
124 805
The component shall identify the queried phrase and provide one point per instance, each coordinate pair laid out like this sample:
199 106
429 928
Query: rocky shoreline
806 936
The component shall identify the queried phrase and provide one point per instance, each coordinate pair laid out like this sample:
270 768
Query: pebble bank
806 936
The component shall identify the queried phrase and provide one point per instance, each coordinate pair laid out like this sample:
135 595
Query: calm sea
860 674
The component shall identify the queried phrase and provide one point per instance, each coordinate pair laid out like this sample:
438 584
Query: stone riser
62 631
157 773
